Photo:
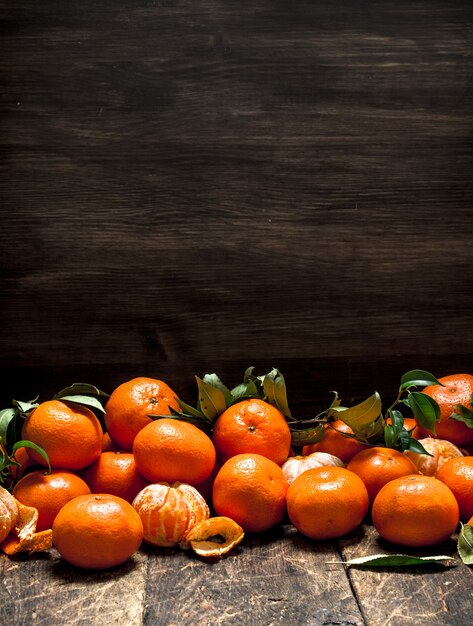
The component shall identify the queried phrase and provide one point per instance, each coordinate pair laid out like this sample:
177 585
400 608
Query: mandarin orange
336 442
457 474
129 405
327 502
251 490
172 450
376 466
252 426
456 389
415 511
97 531
49 492
115 473
70 434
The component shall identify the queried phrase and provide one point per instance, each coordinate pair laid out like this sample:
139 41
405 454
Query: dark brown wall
198 186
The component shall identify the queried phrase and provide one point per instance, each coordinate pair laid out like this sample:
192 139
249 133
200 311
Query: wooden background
190 187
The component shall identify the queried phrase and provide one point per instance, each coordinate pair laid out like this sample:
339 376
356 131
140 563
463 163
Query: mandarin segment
296 465
129 405
415 511
440 451
9 514
252 426
168 512
70 434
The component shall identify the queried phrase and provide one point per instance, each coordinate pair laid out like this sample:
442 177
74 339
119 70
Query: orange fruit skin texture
71 434
457 389
169 511
115 473
252 426
415 511
457 474
251 490
97 531
377 466
49 493
327 502
129 405
333 442
172 450
441 451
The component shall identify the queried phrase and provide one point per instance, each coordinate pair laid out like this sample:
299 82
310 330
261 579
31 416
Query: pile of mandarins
159 481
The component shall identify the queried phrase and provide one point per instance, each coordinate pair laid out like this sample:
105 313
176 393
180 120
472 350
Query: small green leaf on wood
465 544
24 443
211 400
274 387
6 417
425 409
393 560
418 378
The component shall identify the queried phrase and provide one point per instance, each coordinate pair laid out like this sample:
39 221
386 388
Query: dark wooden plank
271 181
435 595
276 578
42 589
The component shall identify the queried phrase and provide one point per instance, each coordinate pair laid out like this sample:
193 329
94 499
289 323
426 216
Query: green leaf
88 401
244 390
362 418
80 389
463 414
214 380
418 378
415 446
465 544
274 387
187 408
6 416
425 409
394 560
307 435
29 444
211 400
25 407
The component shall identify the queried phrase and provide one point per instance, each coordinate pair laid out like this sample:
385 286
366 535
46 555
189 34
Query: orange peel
213 537
18 527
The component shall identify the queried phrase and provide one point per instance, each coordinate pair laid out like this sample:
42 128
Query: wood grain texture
275 578
210 181
42 589
434 595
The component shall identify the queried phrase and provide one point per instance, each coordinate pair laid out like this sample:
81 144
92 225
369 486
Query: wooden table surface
277 577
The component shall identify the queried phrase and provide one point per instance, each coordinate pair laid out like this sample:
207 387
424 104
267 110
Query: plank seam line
352 586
